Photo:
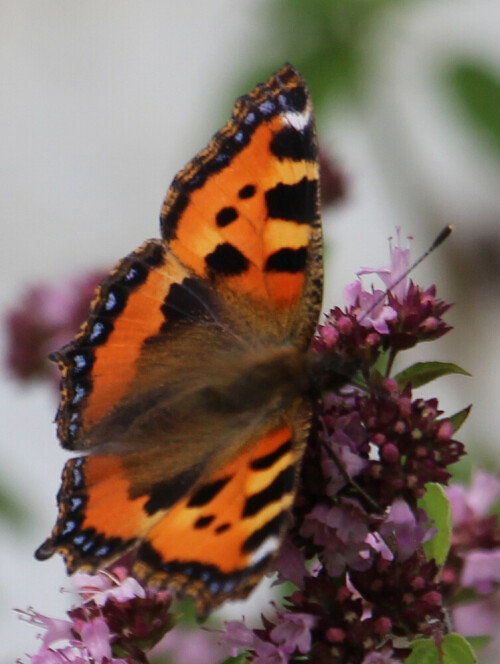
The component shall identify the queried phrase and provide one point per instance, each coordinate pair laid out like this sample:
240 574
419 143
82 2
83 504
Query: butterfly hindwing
185 384
208 535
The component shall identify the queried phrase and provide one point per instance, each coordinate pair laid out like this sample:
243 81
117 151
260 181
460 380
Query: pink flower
184 645
293 632
384 656
481 570
480 618
408 530
56 630
96 636
101 587
347 439
340 532
238 636
290 564
474 501
60 656
369 308
399 263
474 560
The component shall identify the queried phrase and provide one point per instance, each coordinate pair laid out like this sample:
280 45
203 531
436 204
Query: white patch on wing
269 545
298 121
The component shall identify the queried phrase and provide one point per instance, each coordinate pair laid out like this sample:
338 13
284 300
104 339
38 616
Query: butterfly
187 390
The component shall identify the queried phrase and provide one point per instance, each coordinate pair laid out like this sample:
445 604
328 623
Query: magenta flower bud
383 625
390 385
429 324
372 339
390 453
432 597
379 439
329 335
335 635
345 325
445 431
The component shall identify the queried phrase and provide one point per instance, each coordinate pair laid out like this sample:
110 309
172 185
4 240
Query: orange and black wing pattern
180 384
244 214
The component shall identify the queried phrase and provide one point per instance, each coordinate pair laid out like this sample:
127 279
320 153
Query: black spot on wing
290 143
222 528
281 485
226 260
207 492
287 260
190 300
165 494
264 462
247 191
204 521
226 216
293 202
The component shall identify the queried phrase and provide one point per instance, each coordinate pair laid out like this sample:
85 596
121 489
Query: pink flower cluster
116 623
355 552
374 321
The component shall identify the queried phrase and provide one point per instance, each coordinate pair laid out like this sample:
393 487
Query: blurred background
104 100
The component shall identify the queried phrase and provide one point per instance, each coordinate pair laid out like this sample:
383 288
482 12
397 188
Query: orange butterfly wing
244 214
183 384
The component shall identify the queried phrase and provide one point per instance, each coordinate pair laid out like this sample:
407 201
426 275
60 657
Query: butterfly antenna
440 238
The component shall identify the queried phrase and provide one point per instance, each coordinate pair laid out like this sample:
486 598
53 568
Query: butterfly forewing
244 214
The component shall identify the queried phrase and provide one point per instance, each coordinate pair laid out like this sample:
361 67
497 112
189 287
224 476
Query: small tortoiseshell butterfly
188 387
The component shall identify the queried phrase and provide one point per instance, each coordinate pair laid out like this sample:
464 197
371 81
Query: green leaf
459 418
423 651
479 642
476 88
457 650
454 650
438 509
421 373
381 363
240 659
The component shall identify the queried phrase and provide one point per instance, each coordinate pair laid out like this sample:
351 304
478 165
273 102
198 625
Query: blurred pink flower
45 319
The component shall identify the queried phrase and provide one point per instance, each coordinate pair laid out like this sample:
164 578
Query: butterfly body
188 387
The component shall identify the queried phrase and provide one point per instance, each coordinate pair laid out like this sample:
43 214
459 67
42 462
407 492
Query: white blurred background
103 101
